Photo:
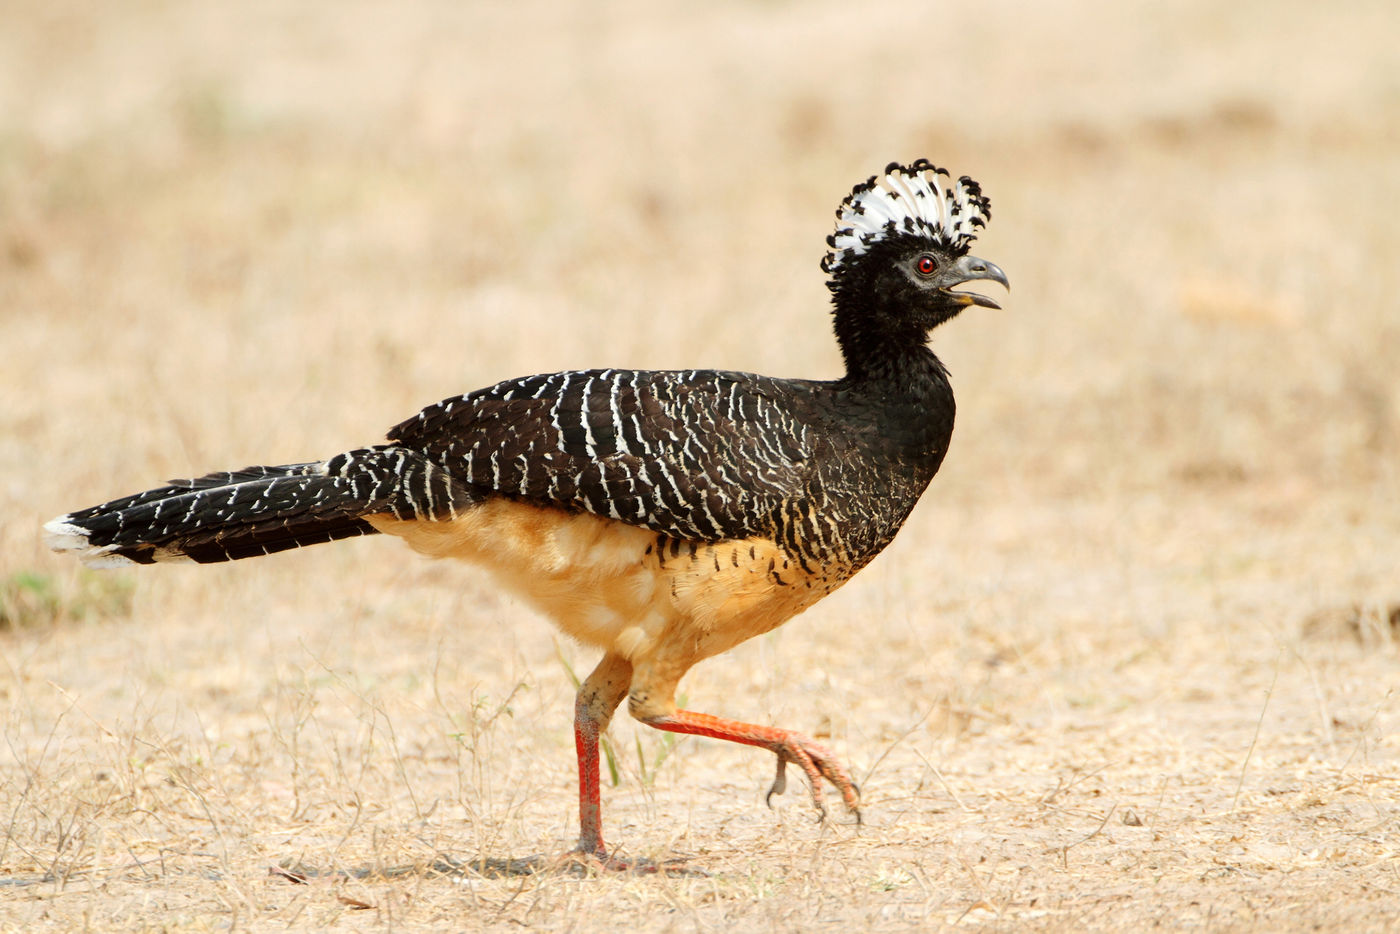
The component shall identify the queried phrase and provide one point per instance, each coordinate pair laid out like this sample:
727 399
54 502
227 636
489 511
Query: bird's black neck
898 381
886 353
899 370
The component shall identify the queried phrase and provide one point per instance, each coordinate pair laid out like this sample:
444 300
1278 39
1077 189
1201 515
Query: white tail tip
62 535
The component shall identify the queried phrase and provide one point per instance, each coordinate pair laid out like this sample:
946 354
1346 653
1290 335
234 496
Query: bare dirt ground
1132 664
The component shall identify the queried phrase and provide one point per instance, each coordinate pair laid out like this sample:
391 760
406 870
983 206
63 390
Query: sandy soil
1132 663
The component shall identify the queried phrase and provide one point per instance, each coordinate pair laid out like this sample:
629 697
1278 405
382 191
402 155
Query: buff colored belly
624 588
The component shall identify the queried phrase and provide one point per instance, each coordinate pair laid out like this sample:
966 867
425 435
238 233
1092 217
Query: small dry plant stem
1258 727
1064 850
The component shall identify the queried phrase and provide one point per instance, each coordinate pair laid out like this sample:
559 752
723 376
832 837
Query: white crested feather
919 199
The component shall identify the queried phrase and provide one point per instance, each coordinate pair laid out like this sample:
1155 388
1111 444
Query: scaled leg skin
652 701
597 698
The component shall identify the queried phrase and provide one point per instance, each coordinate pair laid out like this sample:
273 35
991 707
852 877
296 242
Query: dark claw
779 782
817 762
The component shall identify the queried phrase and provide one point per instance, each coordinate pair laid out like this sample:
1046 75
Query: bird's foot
815 760
819 764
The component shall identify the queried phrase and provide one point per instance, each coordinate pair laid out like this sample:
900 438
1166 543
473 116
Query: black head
898 253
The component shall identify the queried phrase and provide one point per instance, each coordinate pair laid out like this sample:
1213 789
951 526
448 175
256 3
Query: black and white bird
662 516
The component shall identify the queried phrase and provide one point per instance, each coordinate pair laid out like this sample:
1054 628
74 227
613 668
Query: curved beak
966 269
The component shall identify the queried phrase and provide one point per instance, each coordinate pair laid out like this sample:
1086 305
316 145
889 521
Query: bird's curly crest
919 199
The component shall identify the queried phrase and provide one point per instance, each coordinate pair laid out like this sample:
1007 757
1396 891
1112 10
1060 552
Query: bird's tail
259 510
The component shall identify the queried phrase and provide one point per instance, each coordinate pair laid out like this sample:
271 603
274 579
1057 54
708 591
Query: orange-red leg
597 698
651 702
788 746
590 806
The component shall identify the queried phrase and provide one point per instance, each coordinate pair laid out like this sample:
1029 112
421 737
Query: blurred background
348 211
264 232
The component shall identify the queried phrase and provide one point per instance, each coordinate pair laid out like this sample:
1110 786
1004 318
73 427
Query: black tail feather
258 510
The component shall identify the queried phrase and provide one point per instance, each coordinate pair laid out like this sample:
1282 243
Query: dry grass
1132 664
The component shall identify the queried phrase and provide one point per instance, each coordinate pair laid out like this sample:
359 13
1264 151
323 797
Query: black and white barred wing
699 455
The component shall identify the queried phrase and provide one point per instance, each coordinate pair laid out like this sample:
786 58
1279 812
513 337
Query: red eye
926 265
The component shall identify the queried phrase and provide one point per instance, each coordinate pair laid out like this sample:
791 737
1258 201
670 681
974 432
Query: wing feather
704 455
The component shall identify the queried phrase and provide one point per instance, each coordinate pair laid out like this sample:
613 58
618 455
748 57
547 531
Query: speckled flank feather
919 199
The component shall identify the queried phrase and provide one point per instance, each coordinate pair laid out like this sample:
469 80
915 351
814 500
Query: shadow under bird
661 516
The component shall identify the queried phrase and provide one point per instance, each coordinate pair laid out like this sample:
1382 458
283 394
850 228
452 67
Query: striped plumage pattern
698 455
695 455
251 512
